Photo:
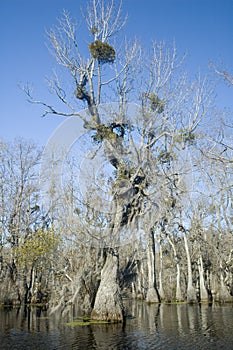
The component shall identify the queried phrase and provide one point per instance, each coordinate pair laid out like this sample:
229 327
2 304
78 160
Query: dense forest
152 218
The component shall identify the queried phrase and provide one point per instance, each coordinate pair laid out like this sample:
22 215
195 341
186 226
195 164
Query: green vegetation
37 246
86 322
102 52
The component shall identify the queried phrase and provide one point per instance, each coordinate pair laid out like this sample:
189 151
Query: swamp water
147 327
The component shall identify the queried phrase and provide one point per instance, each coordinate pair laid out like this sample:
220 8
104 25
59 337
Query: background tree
19 209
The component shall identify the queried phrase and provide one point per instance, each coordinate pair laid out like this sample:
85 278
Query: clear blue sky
203 28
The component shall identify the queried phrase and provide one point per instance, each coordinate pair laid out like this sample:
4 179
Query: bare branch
49 108
104 20
224 74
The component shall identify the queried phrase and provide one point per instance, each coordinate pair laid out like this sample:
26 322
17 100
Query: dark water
147 327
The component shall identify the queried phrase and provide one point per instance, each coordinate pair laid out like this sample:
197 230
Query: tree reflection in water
147 327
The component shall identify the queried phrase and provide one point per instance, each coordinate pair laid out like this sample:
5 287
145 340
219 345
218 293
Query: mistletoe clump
156 103
165 157
102 52
186 136
104 132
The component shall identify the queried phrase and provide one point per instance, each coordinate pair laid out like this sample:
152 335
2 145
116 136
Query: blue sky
203 28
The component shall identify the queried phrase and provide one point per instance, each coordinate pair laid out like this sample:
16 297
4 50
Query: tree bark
191 292
178 288
161 291
152 292
108 304
223 295
203 291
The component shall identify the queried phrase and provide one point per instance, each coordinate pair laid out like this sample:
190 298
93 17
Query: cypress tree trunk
161 291
108 304
191 292
152 292
223 295
203 291
178 288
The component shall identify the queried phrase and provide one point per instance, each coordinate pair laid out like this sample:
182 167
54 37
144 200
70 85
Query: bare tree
19 210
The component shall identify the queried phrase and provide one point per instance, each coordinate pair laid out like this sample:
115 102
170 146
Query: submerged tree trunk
152 292
108 304
223 295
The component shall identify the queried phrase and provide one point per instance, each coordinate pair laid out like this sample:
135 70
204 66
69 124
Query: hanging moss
102 52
